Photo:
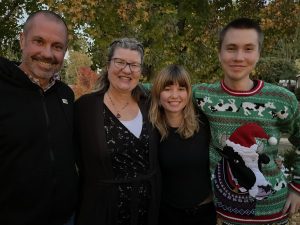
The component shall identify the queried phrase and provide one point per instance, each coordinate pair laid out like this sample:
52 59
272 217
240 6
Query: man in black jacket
37 158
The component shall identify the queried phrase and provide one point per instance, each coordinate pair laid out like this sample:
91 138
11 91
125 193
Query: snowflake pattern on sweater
276 110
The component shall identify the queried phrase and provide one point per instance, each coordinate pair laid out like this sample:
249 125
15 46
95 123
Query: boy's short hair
242 23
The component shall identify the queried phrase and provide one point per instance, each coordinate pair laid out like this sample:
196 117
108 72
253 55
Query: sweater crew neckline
258 85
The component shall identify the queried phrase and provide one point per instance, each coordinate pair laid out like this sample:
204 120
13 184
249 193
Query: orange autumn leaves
85 82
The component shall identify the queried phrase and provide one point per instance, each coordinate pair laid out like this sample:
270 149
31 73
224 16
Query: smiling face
43 47
173 98
124 80
239 54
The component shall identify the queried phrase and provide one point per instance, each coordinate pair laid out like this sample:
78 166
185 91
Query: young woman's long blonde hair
173 74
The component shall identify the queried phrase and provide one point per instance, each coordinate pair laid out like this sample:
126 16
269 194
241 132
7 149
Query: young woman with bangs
183 150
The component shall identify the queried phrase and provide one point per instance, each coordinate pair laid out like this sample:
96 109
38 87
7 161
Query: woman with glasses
117 144
186 197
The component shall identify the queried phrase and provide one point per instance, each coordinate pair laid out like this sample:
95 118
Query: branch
12 8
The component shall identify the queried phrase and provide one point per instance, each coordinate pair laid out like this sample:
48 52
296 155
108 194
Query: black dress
119 172
130 158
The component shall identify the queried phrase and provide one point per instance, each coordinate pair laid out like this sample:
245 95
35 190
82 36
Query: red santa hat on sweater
244 137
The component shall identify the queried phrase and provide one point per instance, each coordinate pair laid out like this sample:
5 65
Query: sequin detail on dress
130 158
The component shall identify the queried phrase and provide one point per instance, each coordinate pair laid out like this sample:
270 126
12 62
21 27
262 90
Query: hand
292 202
279 163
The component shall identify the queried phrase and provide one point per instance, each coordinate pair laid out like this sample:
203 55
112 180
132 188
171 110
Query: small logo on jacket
65 101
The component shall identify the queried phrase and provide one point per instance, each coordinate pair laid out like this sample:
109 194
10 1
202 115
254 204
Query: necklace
118 115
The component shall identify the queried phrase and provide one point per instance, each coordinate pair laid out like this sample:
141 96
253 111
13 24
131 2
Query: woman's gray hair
125 43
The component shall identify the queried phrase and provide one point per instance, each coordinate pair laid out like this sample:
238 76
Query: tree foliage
85 81
174 31
74 62
280 21
12 12
274 69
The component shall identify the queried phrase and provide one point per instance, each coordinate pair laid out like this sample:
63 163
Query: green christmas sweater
271 107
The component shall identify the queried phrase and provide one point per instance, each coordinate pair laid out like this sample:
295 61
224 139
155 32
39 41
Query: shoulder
8 68
65 90
4 61
88 99
147 86
203 120
141 92
7 62
276 88
64 87
278 92
205 87
89 106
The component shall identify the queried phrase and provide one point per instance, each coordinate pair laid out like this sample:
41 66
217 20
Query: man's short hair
47 13
242 23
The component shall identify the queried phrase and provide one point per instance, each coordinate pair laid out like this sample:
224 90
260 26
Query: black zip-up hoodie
38 178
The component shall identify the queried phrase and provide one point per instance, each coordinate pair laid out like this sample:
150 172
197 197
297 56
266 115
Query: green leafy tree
280 21
274 69
280 62
75 61
173 31
11 19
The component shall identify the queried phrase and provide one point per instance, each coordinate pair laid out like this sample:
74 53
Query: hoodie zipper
51 153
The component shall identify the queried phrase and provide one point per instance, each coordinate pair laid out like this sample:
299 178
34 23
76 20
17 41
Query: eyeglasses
121 64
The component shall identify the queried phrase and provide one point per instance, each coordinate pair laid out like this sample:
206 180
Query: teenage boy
244 113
